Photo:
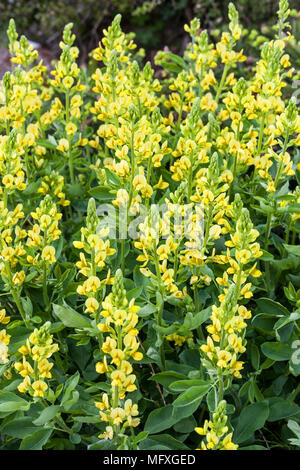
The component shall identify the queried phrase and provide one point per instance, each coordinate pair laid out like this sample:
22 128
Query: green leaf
162 442
170 67
160 419
37 440
295 428
10 402
74 190
192 321
176 59
254 356
285 320
112 178
252 418
46 415
147 310
276 351
134 293
265 323
271 307
167 330
185 425
191 395
211 400
70 396
141 436
86 419
166 378
266 256
75 438
281 409
165 417
254 447
182 385
27 306
101 193
19 428
185 411
70 317
103 444
293 249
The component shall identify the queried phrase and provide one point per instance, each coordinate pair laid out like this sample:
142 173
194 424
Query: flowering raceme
34 366
120 349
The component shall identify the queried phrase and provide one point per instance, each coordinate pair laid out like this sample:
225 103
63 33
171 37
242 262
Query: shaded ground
4 61
44 53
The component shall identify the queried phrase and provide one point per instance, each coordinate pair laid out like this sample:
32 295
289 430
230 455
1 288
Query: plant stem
45 292
269 218
123 256
160 308
220 88
16 296
5 194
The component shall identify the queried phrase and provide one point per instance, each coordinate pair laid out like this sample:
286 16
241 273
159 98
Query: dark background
156 23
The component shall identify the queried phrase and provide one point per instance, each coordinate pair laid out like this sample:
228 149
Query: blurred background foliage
156 23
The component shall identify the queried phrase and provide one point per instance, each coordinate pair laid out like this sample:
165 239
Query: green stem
287 235
16 296
220 88
71 169
269 218
27 166
132 169
5 194
45 291
70 158
149 169
208 224
197 308
235 160
160 308
267 268
123 255
190 179
176 261
220 386
261 133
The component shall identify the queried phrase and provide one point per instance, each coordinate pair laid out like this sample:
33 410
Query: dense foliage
149 248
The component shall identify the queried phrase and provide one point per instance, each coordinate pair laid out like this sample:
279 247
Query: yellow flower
3 352
8 181
48 254
107 434
63 145
117 415
68 82
118 378
228 444
223 358
44 367
71 128
24 368
18 278
39 387
92 284
3 318
4 337
23 387
91 305
101 367
130 408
